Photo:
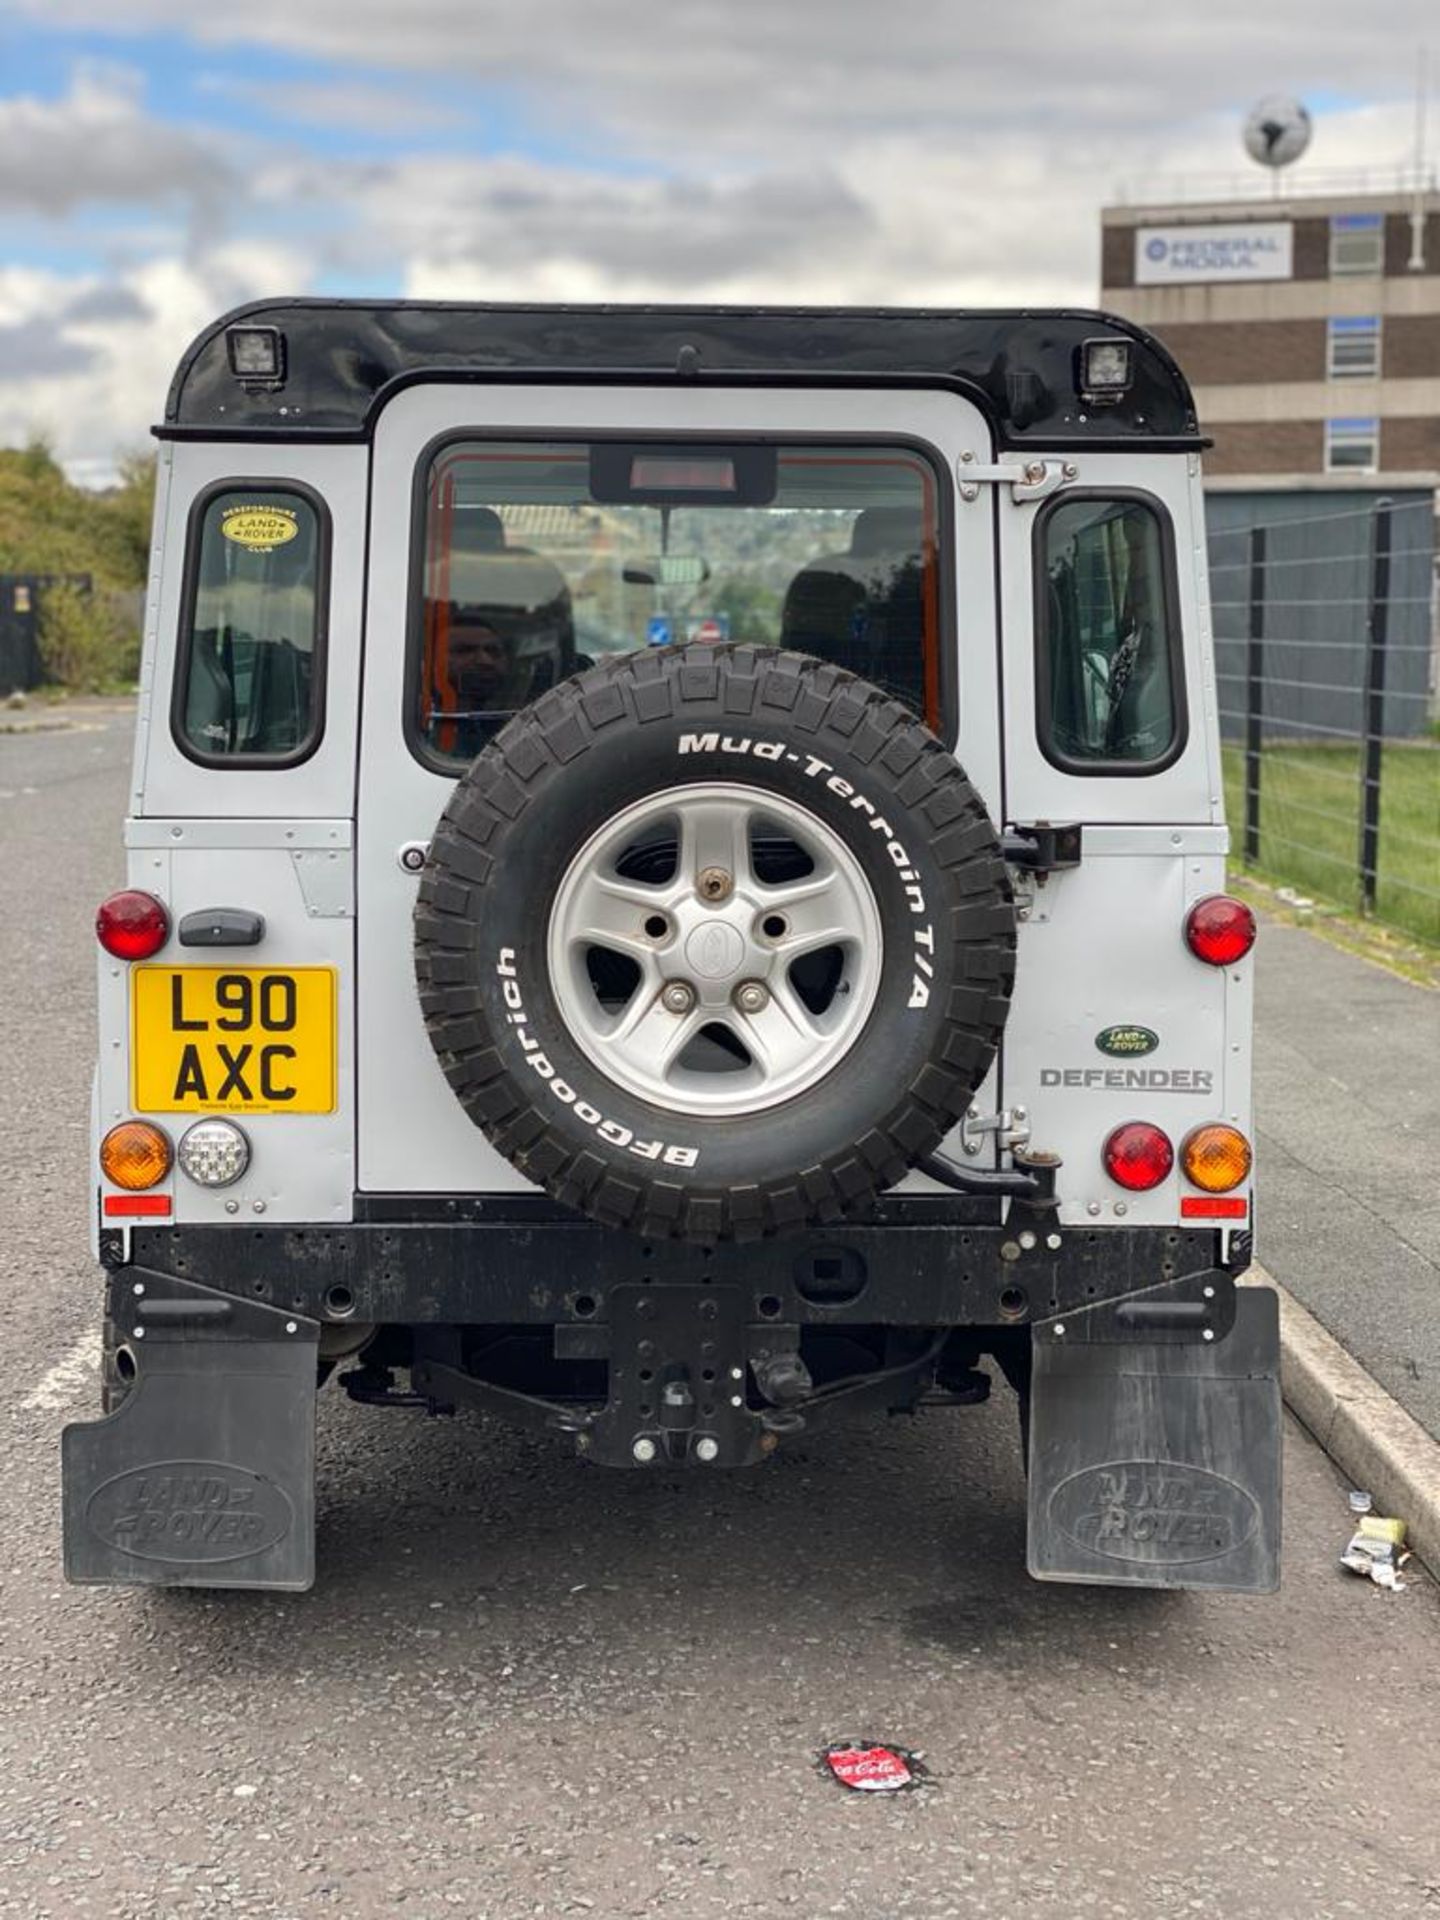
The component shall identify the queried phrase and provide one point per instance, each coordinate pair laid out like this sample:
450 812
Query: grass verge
1310 827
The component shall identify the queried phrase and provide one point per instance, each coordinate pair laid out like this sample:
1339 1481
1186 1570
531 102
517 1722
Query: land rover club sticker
259 529
1127 1043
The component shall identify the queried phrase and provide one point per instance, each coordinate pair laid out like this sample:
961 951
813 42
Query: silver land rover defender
676 894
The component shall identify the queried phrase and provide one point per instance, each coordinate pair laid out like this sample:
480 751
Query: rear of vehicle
676 906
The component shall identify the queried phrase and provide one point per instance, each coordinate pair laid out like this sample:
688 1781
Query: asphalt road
523 1687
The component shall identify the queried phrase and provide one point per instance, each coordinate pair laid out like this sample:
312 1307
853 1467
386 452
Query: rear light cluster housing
1139 1155
136 1155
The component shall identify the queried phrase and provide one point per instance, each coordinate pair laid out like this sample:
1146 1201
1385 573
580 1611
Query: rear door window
249 681
1108 680
540 559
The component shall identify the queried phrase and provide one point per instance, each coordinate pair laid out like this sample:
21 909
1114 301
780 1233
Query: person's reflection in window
482 679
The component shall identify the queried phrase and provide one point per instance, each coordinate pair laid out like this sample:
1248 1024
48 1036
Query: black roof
345 357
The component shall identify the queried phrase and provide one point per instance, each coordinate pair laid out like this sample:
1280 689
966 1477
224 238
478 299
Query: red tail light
1219 930
1138 1156
132 925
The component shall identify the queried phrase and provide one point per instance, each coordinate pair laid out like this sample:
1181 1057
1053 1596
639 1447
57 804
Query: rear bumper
1155 1411
917 1261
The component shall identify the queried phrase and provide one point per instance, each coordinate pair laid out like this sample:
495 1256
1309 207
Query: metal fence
1326 627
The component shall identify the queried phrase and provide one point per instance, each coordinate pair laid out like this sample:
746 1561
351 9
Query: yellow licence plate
233 1039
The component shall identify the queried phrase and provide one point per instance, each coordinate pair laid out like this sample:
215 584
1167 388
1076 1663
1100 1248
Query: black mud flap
205 1475
1155 1452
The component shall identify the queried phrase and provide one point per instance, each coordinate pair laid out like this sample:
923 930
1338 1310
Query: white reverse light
213 1152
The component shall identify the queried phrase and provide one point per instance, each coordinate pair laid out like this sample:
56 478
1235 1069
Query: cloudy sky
161 160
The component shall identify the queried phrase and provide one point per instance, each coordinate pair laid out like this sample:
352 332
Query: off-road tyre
643 723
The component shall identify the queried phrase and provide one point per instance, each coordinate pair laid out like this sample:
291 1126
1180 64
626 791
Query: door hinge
1030 480
1011 1128
1041 847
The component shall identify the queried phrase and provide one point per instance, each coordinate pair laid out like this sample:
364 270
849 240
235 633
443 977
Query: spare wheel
714 941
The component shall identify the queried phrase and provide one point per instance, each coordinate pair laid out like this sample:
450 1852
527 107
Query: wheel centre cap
714 951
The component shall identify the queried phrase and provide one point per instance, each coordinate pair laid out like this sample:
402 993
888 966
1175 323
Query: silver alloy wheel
720 890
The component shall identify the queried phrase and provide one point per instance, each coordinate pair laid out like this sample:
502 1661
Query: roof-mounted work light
256 353
1107 369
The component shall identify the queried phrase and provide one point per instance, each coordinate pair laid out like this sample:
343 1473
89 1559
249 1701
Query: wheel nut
714 883
677 997
643 1451
751 997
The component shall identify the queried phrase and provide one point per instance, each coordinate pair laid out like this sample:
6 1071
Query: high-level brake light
1138 1156
132 925
1219 930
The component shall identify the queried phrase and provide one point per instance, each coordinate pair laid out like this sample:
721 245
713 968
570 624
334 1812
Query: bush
86 643
50 527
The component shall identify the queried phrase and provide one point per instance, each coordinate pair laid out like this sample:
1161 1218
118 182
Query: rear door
491 573
1110 723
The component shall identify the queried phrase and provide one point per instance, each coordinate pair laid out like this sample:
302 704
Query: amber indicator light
135 1155
1215 1159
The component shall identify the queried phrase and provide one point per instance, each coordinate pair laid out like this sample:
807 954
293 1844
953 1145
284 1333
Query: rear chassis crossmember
189 1481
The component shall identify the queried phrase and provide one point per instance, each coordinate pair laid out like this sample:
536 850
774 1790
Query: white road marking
72 1374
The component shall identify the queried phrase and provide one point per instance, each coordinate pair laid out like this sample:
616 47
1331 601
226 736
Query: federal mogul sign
1248 250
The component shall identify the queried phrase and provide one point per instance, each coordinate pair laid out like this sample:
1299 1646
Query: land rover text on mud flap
676 892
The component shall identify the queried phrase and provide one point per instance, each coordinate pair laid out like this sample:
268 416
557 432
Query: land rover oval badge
1125 1043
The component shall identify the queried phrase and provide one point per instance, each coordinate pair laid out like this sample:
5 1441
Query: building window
1357 245
1354 348
1352 446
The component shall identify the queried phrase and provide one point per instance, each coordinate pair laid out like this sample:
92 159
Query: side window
249 675
1108 672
